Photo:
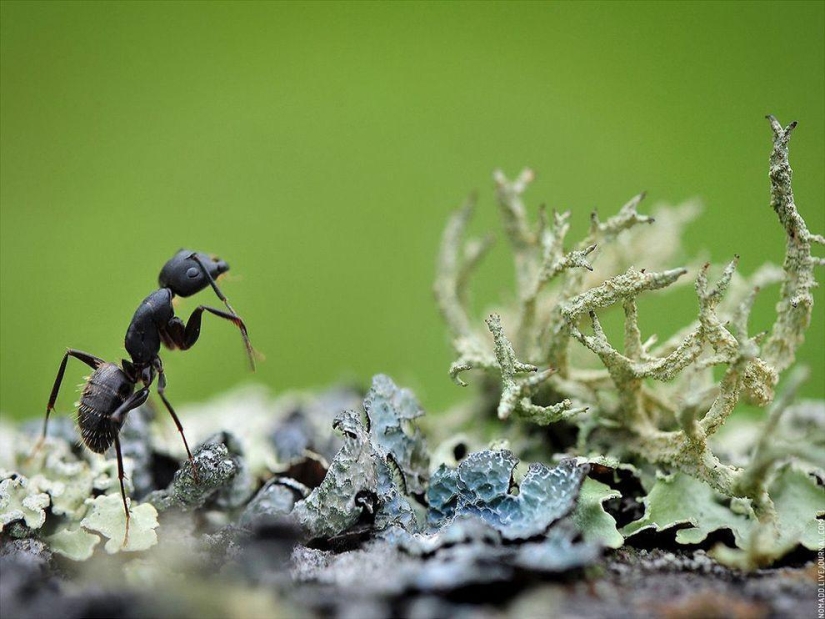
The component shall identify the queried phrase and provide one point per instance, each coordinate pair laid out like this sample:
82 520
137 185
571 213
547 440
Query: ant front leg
90 360
161 392
186 337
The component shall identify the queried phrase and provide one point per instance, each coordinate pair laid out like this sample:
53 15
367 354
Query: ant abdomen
105 391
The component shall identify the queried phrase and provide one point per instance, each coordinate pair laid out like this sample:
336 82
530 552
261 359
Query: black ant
109 393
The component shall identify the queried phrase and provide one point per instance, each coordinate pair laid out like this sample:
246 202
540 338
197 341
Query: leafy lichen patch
679 499
20 500
107 517
73 543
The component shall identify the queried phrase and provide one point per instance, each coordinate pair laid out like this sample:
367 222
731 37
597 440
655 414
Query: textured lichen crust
651 403
474 511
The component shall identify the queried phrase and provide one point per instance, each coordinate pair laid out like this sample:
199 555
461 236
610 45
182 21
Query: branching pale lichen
658 404
793 311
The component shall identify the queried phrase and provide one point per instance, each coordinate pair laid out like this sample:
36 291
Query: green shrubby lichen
652 404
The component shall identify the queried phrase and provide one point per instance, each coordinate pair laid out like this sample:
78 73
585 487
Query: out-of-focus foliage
318 148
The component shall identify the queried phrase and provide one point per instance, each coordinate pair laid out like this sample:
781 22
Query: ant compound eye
193 272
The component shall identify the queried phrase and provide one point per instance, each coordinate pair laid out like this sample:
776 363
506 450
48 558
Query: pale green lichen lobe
18 501
108 518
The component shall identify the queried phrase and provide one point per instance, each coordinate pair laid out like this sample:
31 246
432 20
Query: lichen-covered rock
459 530
465 553
216 473
557 552
27 586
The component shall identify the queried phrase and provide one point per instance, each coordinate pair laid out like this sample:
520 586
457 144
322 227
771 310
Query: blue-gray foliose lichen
475 511
384 459
483 486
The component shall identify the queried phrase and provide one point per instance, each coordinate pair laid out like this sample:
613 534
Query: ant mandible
109 393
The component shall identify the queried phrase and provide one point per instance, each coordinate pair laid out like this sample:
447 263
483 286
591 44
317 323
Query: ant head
184 273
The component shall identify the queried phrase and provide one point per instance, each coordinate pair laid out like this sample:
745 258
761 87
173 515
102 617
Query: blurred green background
319 148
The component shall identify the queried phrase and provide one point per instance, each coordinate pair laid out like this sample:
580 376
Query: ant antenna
249 350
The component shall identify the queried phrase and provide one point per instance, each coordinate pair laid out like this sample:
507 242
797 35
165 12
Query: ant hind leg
90 360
